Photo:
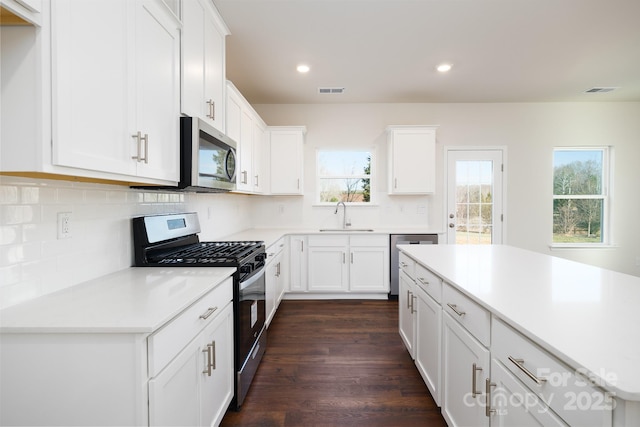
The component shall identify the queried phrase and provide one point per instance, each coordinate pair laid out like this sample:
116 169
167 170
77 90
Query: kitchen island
583 317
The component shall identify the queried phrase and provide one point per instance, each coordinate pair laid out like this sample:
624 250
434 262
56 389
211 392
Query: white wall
528 131
34 262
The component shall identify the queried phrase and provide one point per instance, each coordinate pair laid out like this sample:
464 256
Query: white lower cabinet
348 264
406 317
298 261
197 386
465 368
180 374
275 278
428 354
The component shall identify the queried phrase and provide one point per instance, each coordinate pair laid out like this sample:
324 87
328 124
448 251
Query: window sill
570 246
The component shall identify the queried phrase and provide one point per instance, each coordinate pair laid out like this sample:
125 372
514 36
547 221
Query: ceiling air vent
600 89
330 90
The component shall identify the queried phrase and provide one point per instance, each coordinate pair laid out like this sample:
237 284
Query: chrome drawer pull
423 280
454 307
208 313
487 410
520 364
474 369
207 369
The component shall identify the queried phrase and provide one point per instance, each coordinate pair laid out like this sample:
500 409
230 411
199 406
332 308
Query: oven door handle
254 278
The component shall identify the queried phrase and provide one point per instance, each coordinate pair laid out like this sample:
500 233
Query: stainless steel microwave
207 157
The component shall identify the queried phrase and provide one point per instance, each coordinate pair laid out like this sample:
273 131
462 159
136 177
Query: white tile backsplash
34 262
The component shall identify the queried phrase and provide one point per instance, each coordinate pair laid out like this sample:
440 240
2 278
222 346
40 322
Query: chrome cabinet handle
139 140
408 299
257 184
145 138
413 298
395 183
244 177
212 109
474 369
487 410
423 280
454 307
520 364
208 313
402 264
351 257
211 358
207 369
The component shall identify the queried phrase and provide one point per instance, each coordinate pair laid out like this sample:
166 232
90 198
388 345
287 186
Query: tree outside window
580 180
344 176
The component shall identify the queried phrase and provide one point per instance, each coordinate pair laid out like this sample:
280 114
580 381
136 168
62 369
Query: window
344 176
580 201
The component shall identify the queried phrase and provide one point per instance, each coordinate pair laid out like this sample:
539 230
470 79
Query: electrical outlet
64 225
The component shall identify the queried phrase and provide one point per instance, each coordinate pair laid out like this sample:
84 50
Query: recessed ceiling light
302 68
443 68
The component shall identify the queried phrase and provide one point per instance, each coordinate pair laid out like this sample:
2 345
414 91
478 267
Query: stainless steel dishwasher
404 239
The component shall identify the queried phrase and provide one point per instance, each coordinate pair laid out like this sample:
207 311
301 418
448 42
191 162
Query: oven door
251 312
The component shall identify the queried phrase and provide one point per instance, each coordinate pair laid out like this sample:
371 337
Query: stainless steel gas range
172 241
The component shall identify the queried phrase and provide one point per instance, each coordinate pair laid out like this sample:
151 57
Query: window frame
605 196
372 173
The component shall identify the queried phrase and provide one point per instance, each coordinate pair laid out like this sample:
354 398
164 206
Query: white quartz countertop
585 315
134 300
271 235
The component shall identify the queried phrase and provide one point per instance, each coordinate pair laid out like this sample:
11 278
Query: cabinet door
412 160
271 284
406 310
257 157
193 41
197 386
214 71
92 86
513 405
286 161
428 341
463 399
157 81
368 269
298 265
174 395
217 388
245 151
328 269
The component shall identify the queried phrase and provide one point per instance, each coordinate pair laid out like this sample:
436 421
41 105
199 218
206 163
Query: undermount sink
347 230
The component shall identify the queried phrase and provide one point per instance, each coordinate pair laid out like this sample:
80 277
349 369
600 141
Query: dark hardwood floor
336 363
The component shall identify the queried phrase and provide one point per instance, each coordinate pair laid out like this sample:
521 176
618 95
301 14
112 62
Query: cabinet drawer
275 248
169 340
330 240
428 281
407 264
571 395
470 315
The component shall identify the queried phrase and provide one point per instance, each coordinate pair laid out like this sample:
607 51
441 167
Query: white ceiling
387 50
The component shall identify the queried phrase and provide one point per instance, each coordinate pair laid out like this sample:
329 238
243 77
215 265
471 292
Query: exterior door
474 196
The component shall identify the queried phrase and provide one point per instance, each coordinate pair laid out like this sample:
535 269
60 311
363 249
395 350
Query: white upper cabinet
286 159
99 88
245 126
411 152
203 62
116 87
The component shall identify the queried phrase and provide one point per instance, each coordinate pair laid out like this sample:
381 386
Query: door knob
451 216
451 225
